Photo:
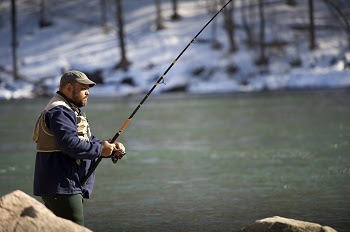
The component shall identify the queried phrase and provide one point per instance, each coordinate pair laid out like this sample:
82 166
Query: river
205 162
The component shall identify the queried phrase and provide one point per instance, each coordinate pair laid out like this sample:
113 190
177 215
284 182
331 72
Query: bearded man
66 149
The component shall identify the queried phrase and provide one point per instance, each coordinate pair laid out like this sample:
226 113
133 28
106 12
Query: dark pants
66 206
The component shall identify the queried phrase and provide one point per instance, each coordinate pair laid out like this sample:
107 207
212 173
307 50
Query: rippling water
205 163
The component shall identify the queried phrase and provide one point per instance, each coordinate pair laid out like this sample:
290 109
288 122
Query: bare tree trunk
42 13
262 59
175 15
291 2
43 22
104 16
342 16
124 63
229 25
14 39
215 44
312 45
159 20
245 23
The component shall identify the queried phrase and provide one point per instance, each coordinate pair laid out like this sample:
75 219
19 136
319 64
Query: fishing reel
117 155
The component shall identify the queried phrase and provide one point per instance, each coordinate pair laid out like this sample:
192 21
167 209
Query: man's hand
119 150
107 148
120 146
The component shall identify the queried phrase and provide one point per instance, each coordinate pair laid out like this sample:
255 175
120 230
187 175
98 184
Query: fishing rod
114 157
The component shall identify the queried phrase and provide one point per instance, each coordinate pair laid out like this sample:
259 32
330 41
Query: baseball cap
76 76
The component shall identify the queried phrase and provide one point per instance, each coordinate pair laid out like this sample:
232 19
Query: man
66 149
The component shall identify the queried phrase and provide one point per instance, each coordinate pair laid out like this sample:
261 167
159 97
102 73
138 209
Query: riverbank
73 43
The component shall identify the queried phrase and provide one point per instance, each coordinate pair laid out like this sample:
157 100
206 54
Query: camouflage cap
76 76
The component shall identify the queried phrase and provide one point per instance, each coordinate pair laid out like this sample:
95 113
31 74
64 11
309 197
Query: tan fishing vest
44 137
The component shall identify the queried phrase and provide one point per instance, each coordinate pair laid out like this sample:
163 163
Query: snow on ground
76 41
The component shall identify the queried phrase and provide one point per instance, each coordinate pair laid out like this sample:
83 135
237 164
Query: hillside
76 40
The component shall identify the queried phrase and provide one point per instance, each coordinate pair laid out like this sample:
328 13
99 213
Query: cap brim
87 82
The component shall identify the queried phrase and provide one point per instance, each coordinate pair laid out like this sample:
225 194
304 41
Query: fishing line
160 81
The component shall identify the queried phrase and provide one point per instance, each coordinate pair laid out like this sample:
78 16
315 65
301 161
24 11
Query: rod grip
126 123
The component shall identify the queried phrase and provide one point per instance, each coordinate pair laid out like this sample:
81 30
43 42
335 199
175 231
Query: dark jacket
59 172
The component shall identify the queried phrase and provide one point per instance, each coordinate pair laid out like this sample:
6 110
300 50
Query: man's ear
69 87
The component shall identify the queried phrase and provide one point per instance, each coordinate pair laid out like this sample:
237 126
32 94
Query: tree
175 15
229 25
245 23
291 2
159 18
14 43
104 16
212 8
312 38
43 22
124 63
345 21
263 60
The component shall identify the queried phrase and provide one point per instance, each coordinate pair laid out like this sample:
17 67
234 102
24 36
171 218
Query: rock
19 212
279 224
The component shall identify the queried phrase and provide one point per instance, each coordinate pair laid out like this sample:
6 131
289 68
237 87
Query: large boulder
280 224
19 212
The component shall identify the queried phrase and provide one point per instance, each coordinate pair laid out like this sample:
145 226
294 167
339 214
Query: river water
205 163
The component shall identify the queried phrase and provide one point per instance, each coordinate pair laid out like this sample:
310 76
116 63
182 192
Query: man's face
80 94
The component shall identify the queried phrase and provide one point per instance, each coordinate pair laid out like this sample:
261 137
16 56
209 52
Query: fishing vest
44 137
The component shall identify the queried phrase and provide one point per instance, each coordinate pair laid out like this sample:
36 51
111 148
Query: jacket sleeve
62 123
95 139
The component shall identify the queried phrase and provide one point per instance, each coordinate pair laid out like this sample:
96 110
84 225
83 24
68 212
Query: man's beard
77 101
